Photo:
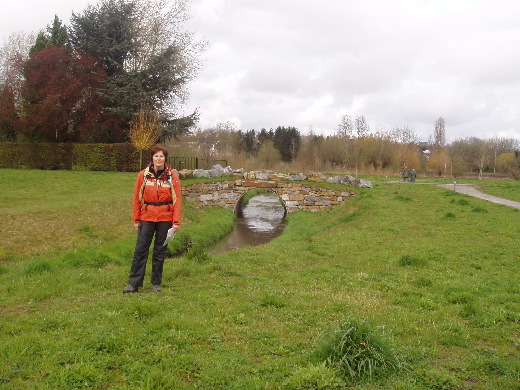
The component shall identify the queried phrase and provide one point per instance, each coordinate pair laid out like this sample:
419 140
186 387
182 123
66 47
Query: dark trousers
145 233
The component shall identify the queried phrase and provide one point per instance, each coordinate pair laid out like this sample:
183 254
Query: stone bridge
295 196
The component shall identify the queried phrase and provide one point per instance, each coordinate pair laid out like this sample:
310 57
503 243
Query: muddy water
261 222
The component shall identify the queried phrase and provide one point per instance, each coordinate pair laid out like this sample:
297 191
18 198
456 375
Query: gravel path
472 191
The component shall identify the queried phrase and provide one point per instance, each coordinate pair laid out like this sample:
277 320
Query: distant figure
406 174
413 175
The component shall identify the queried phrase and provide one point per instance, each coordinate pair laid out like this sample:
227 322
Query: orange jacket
157 190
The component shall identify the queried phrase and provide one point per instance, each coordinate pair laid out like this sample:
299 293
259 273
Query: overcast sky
307 63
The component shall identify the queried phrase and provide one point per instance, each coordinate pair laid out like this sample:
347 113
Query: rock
250 175
316 176
201 173
262 176
216 172
352 181
185 174
365 183
278 176
335 180
311 198
297 176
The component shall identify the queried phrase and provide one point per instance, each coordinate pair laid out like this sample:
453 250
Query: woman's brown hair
158 148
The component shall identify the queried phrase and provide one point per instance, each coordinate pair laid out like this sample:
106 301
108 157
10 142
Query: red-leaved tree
61 94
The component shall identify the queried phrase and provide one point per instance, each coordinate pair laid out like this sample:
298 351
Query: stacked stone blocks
295 196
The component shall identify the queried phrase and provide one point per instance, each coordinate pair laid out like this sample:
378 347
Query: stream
262 221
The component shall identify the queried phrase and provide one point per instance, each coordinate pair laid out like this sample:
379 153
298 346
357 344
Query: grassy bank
421 285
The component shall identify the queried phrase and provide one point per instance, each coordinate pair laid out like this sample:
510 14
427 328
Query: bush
357 353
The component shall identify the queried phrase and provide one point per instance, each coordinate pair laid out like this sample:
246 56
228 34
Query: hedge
85 157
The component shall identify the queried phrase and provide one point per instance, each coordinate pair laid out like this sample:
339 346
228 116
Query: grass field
508 191
411 290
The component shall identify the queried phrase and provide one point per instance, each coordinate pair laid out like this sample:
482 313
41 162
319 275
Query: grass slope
429 275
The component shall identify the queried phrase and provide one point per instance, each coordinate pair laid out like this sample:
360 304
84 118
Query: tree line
353 147
86 81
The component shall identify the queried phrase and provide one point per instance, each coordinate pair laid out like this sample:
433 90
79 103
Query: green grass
431 285
509 191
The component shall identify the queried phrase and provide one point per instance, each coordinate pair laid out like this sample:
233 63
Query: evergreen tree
56 35
139 70
287 141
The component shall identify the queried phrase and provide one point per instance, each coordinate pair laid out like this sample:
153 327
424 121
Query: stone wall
295 196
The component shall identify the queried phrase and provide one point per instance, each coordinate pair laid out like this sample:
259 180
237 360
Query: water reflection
261 222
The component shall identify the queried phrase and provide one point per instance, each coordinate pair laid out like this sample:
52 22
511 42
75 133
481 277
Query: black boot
130 289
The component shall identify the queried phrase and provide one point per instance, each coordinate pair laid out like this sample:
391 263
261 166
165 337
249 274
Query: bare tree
477 153
438 143
345 128
362 128
268 155
502 145
406 140
207 140
13 54
439 133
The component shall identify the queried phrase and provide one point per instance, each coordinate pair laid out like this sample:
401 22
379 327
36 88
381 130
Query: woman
157 209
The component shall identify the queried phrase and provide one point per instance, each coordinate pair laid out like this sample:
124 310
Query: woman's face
158 160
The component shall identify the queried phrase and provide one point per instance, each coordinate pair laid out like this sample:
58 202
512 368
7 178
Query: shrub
93 157
357 353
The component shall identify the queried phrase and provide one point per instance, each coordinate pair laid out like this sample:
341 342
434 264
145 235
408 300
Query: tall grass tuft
357 353
40 267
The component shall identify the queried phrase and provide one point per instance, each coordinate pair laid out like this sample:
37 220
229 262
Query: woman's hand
175 228
136 225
